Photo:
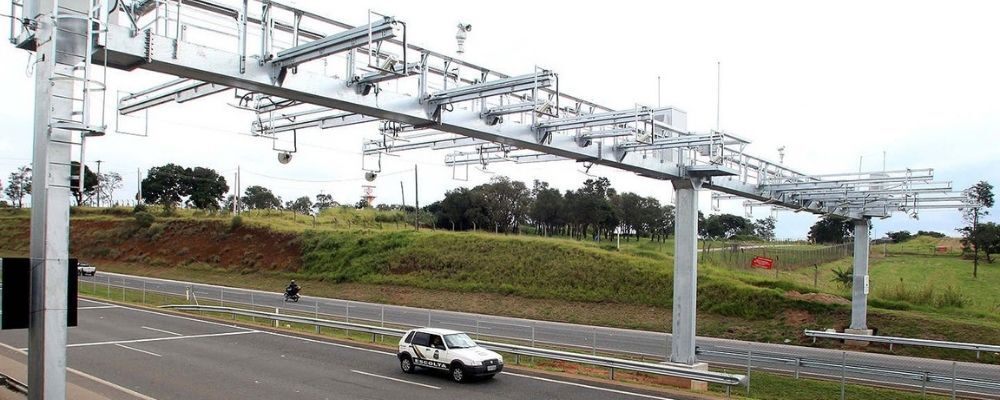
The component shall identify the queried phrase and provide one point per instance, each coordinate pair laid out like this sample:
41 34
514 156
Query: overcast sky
835 83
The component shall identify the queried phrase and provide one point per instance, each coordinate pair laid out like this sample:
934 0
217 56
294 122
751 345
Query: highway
650 344
166 356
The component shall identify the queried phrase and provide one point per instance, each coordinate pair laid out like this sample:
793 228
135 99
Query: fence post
923 386
276 311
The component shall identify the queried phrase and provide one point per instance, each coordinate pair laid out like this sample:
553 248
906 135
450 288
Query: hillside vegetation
364 254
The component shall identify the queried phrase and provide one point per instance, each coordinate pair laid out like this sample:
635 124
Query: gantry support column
859 291
54 93
685 271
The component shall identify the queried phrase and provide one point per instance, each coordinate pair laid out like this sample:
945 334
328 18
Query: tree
900 236
764 228
257 197
932 234
108 182
165 185
546 209
90 181
204 188
324 201
981 196
724 226
19 185
831 229
301 205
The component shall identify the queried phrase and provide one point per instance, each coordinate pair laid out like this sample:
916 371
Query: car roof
438 331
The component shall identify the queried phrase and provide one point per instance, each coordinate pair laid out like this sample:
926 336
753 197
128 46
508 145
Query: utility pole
416 195
402 193
99 183
718 92
236 196
138 184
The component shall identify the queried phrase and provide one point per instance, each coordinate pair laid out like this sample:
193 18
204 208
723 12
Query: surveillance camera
284 157
464 27
370 176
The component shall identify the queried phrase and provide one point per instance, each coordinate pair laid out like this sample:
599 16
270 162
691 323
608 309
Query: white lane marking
393 379
92 377
182 317
328 343
162 331
96 307
139 350
505 373
115 342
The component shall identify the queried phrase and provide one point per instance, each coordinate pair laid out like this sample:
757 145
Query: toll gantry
294 69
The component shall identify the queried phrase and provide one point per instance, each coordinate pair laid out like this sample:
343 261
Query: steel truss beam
489 157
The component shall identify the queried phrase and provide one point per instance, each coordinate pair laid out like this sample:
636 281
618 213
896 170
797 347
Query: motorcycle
292 296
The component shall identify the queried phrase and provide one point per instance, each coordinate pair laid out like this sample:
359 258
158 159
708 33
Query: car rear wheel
406 364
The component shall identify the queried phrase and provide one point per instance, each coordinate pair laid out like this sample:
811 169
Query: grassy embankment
374 256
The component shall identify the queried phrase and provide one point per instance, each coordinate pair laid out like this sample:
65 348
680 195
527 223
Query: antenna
718 92
781 154
658 87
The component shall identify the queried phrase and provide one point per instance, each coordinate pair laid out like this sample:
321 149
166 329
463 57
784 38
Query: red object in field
942 249
762 262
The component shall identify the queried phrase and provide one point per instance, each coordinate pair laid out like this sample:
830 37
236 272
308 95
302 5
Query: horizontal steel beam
178 90
350 39
903 340
492 88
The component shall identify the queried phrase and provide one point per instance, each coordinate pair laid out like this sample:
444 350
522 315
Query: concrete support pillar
859 292
682 344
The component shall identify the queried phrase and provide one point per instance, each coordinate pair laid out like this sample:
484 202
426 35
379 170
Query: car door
438 351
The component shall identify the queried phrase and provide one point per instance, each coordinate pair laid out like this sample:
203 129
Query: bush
235 223
951 297
144 219
141 207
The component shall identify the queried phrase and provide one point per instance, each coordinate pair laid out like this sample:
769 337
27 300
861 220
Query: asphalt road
652 344
166 356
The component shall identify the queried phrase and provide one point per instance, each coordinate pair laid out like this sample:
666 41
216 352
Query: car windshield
459 341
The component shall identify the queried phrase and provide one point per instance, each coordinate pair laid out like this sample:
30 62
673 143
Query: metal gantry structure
294 69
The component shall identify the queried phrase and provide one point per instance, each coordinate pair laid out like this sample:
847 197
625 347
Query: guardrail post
382 316
252 307
593 344
143 292
954 369
612 373
532 334
347 317
109 287
123 290
798 362
923 385
318 328
749 361
843 377
276 311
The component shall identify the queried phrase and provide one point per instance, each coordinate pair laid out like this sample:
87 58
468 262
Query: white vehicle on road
447 350
85 269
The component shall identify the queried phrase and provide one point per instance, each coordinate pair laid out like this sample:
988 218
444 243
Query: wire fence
787 257
774 372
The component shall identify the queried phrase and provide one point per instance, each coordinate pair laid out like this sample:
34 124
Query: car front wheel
406 364
457 373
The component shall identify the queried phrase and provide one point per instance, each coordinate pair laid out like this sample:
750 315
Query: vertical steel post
859 292
51 198
843 377
682 344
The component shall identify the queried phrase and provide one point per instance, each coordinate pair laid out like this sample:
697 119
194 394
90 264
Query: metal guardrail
923 377
892 340
13 384
607 362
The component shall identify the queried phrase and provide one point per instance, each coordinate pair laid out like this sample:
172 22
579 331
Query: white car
85 269
447 350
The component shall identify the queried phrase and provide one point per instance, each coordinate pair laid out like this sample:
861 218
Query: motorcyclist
292 289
